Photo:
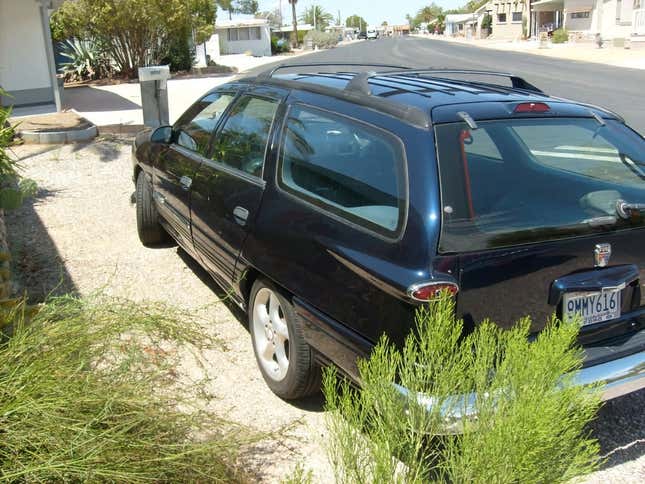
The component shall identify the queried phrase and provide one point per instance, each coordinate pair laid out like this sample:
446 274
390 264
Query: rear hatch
541 215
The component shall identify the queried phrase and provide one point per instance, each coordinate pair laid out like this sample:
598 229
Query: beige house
508 18
27 68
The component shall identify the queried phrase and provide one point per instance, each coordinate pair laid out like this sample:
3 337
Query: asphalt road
619 89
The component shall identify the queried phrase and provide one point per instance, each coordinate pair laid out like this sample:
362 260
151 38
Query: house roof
289 28
247 22
458 18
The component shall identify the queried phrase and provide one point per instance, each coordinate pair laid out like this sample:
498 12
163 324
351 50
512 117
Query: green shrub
180 56
13 188
89 393
323 40
560 36
531 425
279 46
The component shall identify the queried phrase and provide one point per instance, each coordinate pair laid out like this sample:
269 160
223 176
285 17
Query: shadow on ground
37 266
620 429
88 99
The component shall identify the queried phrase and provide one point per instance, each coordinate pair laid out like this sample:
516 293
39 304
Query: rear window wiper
626 210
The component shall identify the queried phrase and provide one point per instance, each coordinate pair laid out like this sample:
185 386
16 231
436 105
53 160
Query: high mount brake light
429 291
532 108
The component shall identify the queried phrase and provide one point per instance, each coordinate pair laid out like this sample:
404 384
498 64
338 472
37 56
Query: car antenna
597 117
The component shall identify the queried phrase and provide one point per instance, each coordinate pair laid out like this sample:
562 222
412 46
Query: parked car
372 34
333 205
362 36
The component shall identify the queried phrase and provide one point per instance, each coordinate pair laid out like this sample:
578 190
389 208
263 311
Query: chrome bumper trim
617 378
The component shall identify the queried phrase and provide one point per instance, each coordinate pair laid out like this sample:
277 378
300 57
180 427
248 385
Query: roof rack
360 83
269 73
516 81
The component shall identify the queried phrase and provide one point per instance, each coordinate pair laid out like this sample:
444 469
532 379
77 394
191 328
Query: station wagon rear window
519 181
345 167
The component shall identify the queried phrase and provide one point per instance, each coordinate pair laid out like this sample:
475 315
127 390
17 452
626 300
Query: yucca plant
85 60
527 423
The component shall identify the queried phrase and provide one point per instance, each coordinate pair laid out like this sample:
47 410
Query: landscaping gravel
79 235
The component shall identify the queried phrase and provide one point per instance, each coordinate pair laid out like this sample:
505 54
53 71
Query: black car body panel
350 283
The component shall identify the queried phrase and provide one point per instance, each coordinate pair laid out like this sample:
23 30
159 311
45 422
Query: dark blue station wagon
334 203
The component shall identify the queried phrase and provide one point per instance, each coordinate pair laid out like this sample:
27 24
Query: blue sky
374 12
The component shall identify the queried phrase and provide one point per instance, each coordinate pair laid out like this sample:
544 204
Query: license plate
593 307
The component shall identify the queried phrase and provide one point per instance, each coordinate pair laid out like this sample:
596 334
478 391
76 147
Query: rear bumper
620 369
616 378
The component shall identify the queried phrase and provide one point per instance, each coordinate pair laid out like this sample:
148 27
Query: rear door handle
186 182
241 215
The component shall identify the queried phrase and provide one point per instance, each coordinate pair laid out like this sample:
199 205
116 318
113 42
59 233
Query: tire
151 233
284 358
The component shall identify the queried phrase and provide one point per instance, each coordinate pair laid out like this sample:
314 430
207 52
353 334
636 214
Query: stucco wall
24 69
509 30
258 48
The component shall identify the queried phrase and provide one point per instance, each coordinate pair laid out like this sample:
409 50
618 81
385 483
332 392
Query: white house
27 68
461 24
244 35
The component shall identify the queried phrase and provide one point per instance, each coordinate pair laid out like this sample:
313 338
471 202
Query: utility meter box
154 95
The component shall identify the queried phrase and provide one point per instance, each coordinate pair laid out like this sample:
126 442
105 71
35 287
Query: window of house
195 130
242 142
580 14
347 168
501 18
244 33
517 16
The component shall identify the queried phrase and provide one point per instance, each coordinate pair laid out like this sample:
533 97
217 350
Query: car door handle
186 182
241 215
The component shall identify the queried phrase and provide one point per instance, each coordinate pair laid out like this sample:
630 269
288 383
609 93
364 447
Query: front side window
501 18
345 167
517 17
194 130
242 141
549 178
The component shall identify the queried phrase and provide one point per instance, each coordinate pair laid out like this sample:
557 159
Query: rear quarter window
345 167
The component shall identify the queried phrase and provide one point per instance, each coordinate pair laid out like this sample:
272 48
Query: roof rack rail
516 81
269 73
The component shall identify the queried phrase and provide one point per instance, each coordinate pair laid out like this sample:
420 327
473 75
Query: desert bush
531 423
89 393
13 188
560 36
134 33
180 56
323 40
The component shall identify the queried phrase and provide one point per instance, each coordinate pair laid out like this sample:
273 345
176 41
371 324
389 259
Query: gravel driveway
79 235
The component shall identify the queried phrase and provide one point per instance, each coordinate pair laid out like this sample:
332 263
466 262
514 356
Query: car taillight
532 108
431 290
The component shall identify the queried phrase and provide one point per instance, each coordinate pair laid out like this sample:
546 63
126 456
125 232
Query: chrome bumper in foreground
617 377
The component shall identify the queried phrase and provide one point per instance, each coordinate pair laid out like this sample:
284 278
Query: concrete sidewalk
578 51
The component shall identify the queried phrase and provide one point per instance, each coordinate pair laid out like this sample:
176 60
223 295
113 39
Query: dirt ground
79 235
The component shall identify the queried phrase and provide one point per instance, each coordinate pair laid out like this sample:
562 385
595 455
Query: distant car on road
362 36
372 34
334 204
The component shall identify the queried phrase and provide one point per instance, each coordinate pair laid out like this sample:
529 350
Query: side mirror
162 135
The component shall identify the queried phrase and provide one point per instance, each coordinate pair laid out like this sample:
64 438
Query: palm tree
294 39
317 16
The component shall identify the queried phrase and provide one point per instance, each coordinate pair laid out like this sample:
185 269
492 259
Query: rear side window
345 167
545 179
242 142
194 131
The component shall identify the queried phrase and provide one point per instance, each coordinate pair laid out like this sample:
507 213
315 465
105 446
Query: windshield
519 181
